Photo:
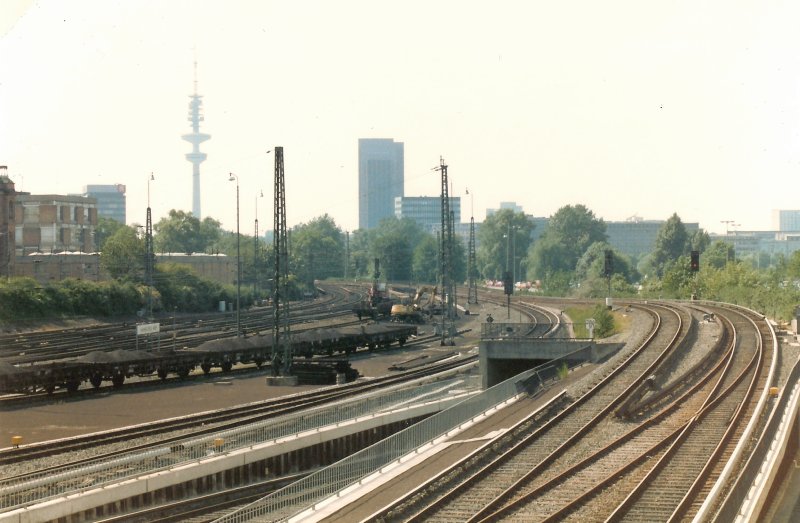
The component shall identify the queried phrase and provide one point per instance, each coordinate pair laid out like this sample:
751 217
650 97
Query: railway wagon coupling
224 353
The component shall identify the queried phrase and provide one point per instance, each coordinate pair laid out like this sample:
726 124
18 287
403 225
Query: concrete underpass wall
501 359
500 369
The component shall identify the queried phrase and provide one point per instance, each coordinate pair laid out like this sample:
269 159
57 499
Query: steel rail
648 438
454 492
679 467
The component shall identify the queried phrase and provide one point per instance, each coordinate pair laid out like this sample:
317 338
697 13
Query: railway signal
694 261
508 283
608 265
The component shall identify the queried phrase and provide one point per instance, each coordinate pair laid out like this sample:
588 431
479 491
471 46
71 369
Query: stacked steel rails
648 442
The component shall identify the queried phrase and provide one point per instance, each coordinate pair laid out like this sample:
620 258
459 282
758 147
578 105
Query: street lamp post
231 178
514 254
148 242
508 248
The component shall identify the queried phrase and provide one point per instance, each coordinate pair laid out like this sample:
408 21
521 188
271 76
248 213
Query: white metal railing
37 487
288 501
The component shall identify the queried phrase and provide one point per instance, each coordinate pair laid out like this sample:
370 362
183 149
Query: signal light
608 266
508 283
694 262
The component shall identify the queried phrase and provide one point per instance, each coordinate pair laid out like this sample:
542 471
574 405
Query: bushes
180 288
24 298
604 323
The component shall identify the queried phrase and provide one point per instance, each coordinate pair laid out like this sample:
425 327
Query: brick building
7 197
54 223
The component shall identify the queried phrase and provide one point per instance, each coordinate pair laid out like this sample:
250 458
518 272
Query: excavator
417 310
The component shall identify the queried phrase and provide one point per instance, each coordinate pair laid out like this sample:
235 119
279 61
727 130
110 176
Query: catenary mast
196 138
446 260
281 332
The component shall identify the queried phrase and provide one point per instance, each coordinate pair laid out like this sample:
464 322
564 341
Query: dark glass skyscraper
380 179
110 200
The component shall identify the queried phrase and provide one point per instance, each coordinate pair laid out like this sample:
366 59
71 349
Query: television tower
196 138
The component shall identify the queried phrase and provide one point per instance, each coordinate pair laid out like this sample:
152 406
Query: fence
37 487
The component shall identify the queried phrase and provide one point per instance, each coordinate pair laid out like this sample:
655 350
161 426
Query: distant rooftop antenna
196 138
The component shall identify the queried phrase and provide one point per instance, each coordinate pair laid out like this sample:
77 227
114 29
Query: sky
630 108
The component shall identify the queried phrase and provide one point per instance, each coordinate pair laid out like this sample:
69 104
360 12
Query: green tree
180 288
360 264
503 236
317 250
592 264
393 243
604 322
460 260
672 241
426 261
570 232
718 254
123 255
557 283
182 232
699 240
792 265
106 227
678 280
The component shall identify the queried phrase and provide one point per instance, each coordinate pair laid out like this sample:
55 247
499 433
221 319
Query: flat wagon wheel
117 380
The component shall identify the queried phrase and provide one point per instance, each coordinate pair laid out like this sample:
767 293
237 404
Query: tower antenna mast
196 138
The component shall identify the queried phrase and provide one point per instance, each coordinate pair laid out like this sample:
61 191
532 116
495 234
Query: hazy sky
628 107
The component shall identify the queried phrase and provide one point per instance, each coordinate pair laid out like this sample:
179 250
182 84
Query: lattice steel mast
281 334
472 295
446 259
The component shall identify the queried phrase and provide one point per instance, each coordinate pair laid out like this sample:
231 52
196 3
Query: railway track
30 486
549 493
66 375
494 475
26 348
677 485
666 426
250 412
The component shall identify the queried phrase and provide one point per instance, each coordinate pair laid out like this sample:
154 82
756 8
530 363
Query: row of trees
567 258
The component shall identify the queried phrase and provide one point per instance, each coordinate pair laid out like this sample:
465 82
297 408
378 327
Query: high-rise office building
512 206
380 179
785 220
110 200
426 210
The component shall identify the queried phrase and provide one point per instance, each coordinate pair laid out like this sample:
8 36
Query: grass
579 315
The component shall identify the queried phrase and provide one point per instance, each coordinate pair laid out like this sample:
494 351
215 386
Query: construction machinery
418 309
378 303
